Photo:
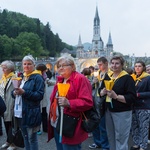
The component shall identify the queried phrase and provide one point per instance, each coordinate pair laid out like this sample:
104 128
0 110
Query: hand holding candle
109 85
95 73
16 82
63 90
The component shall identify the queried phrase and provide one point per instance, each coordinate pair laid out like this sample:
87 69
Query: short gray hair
29 57
68 59
147 65
9 64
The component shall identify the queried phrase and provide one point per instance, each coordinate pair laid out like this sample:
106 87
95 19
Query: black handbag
69 125
91 118
2 106
18 139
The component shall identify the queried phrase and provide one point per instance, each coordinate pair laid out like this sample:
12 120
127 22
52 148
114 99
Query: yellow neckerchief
133 75
33 72
109 72
98 77
143 75
122 73
5 78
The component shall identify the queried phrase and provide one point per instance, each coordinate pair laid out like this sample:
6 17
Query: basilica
88 57
98 48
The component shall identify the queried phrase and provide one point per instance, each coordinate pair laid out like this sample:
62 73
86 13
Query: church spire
80 43
97 42
79 51
96 18
109 43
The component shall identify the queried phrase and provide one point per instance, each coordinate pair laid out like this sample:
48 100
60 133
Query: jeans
61 146
1 129
30 139
100 135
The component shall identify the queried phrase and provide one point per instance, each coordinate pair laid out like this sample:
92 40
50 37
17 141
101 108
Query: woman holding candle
27 103
77 100
119 103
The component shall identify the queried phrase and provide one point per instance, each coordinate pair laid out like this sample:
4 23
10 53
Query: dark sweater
143 90
125 86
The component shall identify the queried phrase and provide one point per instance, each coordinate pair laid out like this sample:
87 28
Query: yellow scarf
34 72
133 76
109 72
5 78
143 75
122 73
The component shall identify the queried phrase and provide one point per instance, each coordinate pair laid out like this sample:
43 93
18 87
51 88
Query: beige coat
9 101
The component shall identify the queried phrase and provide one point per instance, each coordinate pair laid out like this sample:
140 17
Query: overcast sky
127 20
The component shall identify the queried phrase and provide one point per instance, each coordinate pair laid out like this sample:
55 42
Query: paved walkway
43 145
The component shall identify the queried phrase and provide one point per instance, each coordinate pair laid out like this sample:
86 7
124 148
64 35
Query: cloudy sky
127 20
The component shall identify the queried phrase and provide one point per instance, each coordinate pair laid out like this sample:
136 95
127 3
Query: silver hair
147 65
29 57
9 64
68 59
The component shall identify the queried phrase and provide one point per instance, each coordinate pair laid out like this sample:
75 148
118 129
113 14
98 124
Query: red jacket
80 98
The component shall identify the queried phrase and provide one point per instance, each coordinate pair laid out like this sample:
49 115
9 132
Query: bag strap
83 114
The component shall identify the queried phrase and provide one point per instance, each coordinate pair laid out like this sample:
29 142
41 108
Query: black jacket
125 86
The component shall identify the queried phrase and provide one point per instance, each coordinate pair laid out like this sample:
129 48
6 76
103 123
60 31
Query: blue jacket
143 90
34 92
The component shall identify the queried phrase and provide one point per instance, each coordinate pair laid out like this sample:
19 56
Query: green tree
29 43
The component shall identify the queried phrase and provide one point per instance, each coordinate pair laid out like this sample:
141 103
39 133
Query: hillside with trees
21 35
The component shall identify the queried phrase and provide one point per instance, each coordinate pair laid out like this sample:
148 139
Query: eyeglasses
63 65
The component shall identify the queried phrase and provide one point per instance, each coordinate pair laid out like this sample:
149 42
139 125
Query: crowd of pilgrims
125 107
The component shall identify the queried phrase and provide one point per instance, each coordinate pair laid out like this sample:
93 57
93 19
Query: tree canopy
21 35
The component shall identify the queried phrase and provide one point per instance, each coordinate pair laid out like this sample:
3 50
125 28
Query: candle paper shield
63 89
108 85
16 82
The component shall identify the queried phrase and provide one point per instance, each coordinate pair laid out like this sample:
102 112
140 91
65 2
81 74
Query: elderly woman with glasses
77 100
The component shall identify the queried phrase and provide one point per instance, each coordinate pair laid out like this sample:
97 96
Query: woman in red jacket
78 99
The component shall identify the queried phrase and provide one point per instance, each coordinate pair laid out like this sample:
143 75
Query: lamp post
133 60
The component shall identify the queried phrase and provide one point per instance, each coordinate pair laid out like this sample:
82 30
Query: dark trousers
100 135
44 119
8 127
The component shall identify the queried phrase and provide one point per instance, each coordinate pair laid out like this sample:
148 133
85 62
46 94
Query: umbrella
62 90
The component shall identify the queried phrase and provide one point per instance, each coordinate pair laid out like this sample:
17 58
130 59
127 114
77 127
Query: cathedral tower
79 52
97 43
109 47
